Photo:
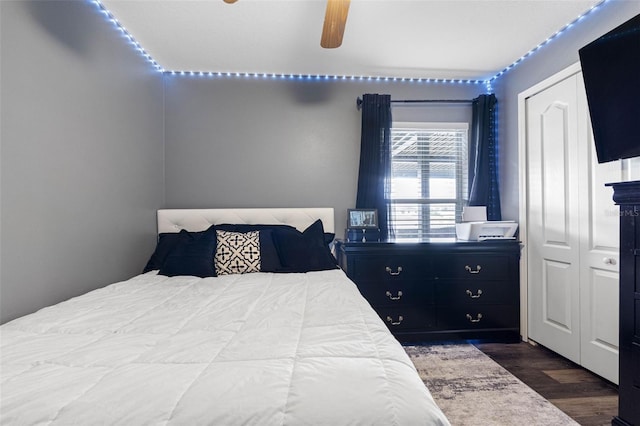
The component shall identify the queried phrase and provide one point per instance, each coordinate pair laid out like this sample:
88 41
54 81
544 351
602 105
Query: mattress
250 349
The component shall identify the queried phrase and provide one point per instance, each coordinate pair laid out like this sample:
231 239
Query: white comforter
261 349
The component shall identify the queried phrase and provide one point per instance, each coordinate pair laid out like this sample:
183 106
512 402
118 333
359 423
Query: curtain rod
426 101
423 101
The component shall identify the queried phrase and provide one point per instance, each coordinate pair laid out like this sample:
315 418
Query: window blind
428 179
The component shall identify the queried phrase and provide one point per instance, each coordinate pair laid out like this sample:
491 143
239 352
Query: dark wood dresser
627 196
439 290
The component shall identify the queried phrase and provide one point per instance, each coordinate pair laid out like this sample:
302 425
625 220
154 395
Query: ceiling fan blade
335 19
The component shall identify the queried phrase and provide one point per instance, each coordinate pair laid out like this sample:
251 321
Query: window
428 179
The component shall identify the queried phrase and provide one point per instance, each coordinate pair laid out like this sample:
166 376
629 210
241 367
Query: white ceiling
445 39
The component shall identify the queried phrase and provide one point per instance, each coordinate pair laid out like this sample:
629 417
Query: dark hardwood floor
589 399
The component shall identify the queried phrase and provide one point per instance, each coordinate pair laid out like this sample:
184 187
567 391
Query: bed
292 346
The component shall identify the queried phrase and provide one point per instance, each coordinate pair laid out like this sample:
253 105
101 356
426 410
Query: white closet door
599 252
553 204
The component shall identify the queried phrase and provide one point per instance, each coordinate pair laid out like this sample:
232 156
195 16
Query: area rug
472 389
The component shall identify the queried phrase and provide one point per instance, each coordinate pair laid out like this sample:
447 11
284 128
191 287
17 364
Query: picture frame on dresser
362 218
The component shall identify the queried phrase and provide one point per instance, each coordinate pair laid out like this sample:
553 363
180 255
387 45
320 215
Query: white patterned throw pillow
237 252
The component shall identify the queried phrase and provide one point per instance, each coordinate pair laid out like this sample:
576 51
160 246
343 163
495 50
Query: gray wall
82 164
243 142
81 154
554 57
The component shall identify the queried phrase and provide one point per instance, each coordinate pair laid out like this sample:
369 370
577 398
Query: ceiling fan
335 20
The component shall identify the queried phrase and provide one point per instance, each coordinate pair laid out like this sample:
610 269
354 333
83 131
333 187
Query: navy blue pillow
193 255
304 251
166 243
269 256
329 237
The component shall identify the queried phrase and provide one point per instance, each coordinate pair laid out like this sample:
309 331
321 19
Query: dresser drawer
387 268
380 293
476 292
407 318
471 266
473 317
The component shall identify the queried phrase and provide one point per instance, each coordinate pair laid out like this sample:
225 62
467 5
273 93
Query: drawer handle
472 271
397 272
392 297
474 296
392 322
478 318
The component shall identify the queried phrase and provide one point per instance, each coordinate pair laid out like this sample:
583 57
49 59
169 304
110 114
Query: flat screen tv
611 73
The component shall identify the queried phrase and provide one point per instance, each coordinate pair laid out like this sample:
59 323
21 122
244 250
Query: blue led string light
109 16
318 77
488 86
544 43
488 83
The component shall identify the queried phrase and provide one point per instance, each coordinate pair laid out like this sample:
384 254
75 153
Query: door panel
554 121
604 326
553 245
599 341
599 251
556 289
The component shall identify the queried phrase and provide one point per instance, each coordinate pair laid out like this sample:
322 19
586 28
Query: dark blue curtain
483 157
375 158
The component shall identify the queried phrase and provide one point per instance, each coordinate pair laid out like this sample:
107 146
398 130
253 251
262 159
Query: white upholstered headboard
173 220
